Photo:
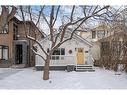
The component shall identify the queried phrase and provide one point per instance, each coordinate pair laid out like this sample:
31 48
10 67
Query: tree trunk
46 68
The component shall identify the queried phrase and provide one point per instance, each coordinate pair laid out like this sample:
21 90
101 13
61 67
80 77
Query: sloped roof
101 27
118 34
79 38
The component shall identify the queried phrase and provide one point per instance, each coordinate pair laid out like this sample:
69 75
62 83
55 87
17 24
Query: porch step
84 68
19 66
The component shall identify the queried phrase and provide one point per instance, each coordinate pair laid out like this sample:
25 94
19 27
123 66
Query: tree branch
29 10
71 18
29 37
105 7
33 39
38 54
56 14
42 8
12 13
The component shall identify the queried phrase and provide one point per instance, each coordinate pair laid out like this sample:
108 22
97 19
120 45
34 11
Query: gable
75 36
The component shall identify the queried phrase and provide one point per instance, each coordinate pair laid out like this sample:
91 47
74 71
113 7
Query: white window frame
58 57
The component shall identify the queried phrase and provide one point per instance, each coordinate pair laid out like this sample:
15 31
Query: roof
101 27
118 34
84 40
28 22
74 36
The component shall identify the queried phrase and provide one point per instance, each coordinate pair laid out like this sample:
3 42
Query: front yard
28 78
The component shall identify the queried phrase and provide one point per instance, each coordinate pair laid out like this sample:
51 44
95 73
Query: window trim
56 56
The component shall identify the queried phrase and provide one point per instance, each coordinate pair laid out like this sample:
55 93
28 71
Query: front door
19 54
80 56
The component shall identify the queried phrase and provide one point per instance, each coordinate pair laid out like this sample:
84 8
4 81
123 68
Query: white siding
68 58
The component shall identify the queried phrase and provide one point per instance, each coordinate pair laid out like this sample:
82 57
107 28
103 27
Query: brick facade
15 39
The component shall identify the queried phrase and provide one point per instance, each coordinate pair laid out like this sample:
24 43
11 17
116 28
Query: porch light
18 36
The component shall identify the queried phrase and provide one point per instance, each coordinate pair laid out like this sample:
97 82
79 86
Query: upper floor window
93 34
5 30
15 31
3 52
105 46
100 34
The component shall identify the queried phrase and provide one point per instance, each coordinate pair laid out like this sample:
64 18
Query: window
56 54
86 51
105 48
62 51
80 50
15 31
116 48
100 34
93 34
5 30
3 52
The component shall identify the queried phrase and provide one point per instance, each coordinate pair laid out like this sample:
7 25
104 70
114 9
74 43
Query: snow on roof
74 36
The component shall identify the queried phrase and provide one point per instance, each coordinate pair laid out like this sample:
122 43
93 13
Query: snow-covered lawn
28 78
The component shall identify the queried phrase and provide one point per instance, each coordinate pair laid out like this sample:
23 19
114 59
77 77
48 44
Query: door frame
19 54
80 56
24 51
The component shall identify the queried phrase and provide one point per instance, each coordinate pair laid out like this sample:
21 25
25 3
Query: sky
65 10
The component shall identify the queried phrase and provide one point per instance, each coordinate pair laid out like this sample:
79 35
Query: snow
28 78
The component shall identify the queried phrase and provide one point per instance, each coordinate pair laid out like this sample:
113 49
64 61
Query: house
93 35
72 53
96 33
113 51
15 48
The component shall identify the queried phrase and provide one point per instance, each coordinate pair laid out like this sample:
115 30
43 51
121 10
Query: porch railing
62 59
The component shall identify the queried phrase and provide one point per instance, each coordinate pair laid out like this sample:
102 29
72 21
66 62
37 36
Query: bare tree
51 18
113 48
7 14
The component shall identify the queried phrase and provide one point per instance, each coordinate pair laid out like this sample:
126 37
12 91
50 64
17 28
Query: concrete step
87 70
82 68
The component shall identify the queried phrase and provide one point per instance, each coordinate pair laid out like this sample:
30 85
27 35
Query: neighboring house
93 35
99 32
15 48
71 53
113 51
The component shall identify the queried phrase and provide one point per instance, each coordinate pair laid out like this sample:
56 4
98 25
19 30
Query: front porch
69 63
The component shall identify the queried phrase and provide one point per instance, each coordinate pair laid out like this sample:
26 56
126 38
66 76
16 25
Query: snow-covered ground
28 78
